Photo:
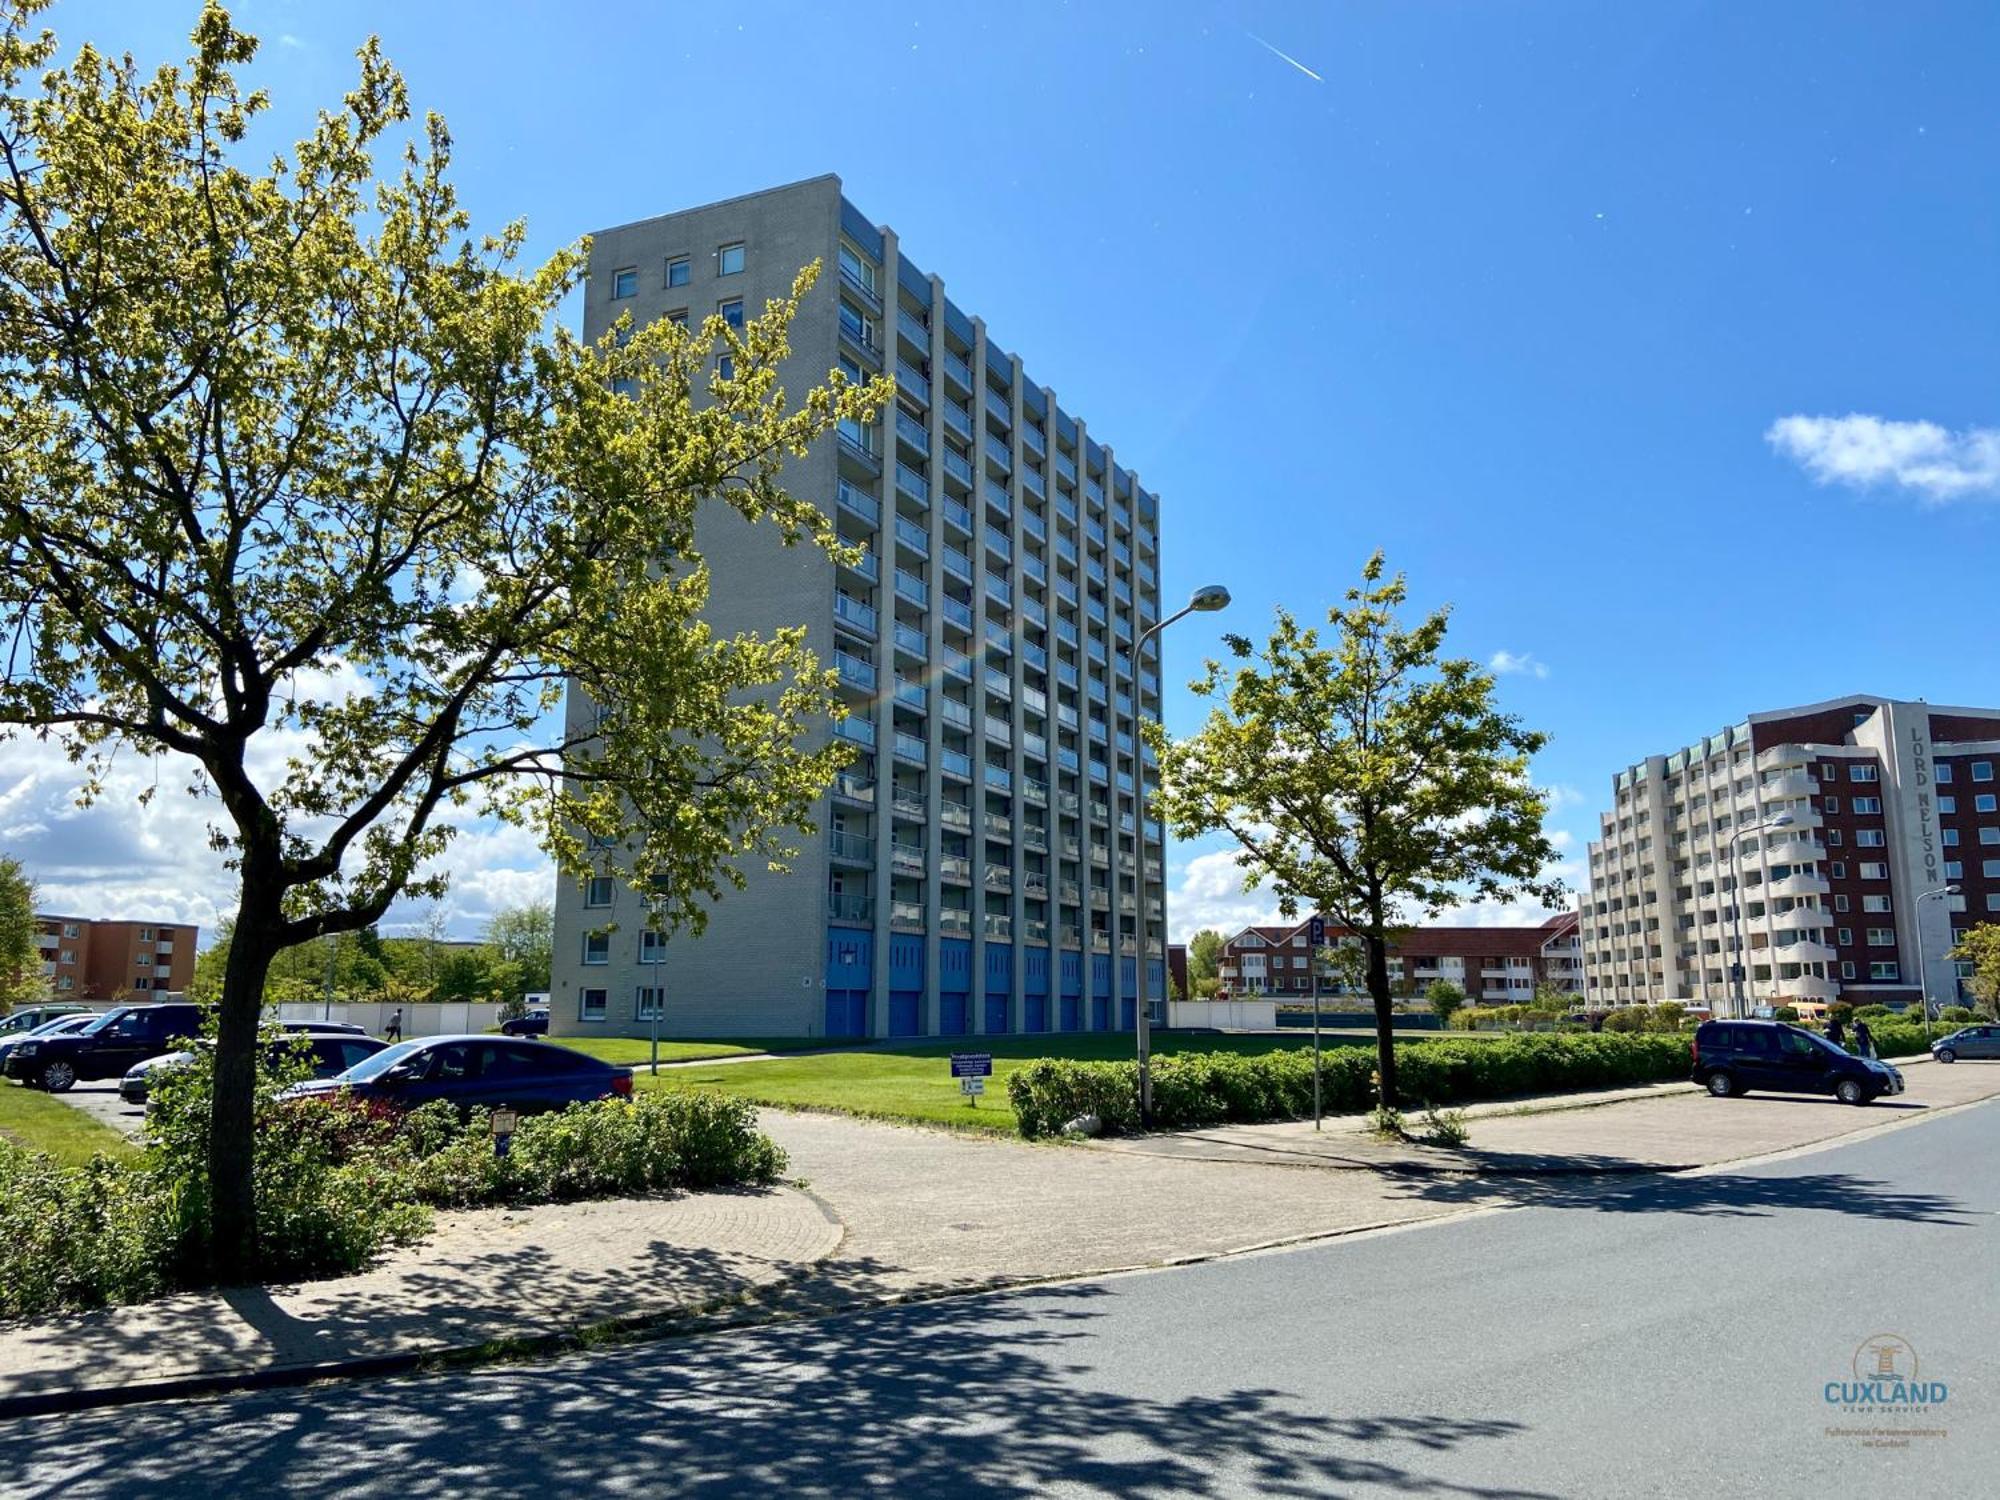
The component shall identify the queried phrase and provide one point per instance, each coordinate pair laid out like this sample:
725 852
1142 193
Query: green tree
1364 776
20 959
1980 947
290 454
1204 955
1445 999
525 936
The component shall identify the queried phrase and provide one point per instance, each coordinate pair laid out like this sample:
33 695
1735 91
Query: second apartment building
983 864
1492 965
86 959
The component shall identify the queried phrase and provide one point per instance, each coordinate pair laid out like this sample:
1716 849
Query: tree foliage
20 959
302 485
1980 947
1362 774
1204 954
1445 999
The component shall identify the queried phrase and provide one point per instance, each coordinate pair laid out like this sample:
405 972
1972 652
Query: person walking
393 1032
1864 1041
1836 1031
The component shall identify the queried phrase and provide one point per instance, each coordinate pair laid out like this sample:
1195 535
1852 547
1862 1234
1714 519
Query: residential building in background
1888 802
87 959
1492 965
982 867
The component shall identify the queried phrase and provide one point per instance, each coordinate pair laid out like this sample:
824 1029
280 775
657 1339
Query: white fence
1224 1015
447 1019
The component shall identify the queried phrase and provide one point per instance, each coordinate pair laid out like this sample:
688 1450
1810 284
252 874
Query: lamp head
1209 598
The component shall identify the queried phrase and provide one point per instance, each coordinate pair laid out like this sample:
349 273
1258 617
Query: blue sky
1513 291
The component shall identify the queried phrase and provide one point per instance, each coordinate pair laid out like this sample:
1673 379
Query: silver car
1968 1041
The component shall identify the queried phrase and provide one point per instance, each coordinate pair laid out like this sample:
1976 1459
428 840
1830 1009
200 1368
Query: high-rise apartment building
82 959
1828 832
982 866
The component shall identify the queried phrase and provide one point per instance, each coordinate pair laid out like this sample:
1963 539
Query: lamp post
1741 969
659 941
1205 600
1935 893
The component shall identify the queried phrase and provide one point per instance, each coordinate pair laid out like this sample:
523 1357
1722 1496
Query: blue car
475 1072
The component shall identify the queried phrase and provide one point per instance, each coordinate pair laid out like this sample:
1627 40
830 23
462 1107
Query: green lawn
914 1082
31 1118
626 1050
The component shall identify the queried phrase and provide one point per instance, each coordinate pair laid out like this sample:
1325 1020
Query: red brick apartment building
96 960
1493 965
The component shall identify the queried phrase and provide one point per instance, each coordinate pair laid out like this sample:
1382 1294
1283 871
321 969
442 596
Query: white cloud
1562 795
1866 451
1521 663
1210 894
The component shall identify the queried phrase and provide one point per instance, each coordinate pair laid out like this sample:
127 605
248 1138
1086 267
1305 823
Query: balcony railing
844 906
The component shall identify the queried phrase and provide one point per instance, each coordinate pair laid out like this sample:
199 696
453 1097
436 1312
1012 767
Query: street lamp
1935 893
1741 970
1205 600
653 905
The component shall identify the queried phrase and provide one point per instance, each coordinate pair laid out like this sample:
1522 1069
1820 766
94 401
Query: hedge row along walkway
896 1212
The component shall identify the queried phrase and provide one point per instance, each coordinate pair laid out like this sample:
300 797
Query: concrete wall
1227 1015
449 1019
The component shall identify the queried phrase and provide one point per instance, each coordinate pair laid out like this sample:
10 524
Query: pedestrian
1836 1031
1864 1042
393 1032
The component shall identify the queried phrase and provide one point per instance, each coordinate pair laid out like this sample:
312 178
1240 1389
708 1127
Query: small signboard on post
502 1121
972 1069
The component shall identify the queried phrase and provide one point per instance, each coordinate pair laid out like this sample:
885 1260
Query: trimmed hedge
1212 1088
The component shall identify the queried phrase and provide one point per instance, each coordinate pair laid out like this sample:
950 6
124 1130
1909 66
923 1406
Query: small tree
525 936
1365 776
1980 947
1204 955
1445 999
289 458
20 959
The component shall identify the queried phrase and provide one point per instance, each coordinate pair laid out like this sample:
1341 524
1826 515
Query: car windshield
61 1023
109 1018
380 1063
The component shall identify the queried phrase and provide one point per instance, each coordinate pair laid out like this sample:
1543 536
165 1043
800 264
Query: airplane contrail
1286 56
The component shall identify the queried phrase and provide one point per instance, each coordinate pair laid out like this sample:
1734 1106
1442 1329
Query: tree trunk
232 1123
1385 1019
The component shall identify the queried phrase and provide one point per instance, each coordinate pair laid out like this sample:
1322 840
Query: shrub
1193 1089
1872 1013
1445 1128
1958 1015
1785 1013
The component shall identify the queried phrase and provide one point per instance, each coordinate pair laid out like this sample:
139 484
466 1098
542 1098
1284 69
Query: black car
534 1022
105 1048
332 1052
1733 1057
476 1072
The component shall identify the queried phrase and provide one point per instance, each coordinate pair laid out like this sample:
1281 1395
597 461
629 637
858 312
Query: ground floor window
590 1005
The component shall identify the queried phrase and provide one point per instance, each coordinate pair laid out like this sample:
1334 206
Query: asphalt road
1631 1337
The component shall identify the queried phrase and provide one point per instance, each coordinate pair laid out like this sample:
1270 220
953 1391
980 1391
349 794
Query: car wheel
1945 1054
59 1077
1850 1091
1721 1084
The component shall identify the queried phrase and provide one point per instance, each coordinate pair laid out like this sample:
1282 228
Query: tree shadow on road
992 1395
1720 1194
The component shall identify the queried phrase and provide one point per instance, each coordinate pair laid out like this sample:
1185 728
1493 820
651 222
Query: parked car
332 1052
470 1071
1733 1057
34 1017
58 1027
1967 1041
533 1022
346 1028
103 1049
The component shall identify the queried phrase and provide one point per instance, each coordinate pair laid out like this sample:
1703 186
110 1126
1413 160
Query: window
1868 805
1947 804
1990 868
677 271
1838 869
678 317
597 891
1844 936
1982 770
1876 903
1869 838
590 1005
857 269
625 386
732 313
729 260
1833 804
1872 869
72 930
1953 870
652 946
146 933
1989 835
1881 937
1993 900
650 1002
1860 773
624 283
1840 903
1950 837
1883 970
725 367
597 947
1847 970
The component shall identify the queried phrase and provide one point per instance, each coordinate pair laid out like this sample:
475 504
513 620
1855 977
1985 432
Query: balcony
851 611
958 612
845 906
1796 886
851 848
958 516
1791 784
856 731
956 714
912 382
906 916
999 407
957 664
955 815
912 694
999 779
1804 951
911 750
1035 883
912 588
854 672
909 805
998 455
1035 838
855 450
999 878
999 729
1037 792
1100 898
955 868
957 764
999 683
906 859
852 787
867 567
998 543
999 826
912 485
958 417
958 565
911 642
999 927
957 367
1035 930
909 534
954 921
